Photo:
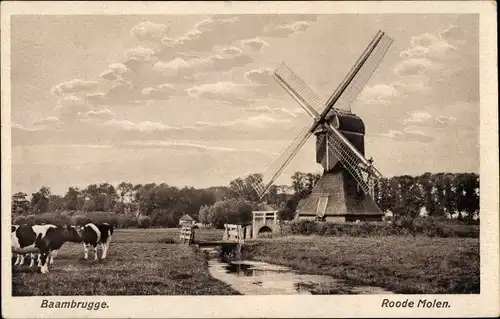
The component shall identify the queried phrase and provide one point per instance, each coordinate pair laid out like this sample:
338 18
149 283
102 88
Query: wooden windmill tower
345 190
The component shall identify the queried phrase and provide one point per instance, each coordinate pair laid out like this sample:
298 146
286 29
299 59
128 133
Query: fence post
187 235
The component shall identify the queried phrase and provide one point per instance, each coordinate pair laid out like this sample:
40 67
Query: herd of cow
42 242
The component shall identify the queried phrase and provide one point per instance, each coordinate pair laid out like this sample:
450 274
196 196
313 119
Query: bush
24 220
167 240
52 218
144 222
81 220
431 227
127 221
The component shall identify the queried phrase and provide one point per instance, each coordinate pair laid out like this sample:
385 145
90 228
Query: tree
426 184
125 190
40 200
74 199
20 205
204 214
303 183
243 187
467 195
231 211
285 212
100 197
56 203
385 196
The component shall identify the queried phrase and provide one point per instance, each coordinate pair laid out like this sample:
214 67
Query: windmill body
336 197
345 190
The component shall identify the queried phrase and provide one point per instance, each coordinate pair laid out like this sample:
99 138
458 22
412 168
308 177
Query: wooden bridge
264 221
234 235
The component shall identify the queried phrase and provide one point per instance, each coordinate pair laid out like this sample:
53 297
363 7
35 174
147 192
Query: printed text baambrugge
89 305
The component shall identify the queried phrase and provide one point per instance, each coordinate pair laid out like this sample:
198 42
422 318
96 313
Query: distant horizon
115 184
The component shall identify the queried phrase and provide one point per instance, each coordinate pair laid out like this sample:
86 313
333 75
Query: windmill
345 191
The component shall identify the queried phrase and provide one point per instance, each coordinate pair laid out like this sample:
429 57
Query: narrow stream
260 278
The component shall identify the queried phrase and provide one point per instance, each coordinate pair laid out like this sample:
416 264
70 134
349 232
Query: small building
187 220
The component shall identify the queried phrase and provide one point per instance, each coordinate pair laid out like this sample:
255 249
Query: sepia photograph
327 154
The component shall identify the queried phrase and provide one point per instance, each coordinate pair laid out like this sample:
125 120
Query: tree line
441 194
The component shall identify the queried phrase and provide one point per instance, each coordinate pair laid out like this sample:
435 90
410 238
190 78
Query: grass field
137 264
401 264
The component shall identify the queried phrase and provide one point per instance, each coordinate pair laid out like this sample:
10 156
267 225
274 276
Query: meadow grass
137 264
149 262
401 264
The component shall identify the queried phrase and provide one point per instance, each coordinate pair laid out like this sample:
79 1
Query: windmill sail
355 163
281 163
310 100
364 173
362 71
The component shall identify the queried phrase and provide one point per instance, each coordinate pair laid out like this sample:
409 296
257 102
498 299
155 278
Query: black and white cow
45 239
96 234
23 242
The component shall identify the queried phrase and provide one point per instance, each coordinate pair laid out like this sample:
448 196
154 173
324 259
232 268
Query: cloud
408 136
381 93
430 54
417 66
73 86
276 110
99 115
70 107
258 121
160 92
145 126
182 68
47 122
255 44
440 68
263 82
454 34
260 76
139 53
184 145
418 118
445 120
122 92
116 71
259 83
220 30
427 120
222 91
286 30
148 31
196 54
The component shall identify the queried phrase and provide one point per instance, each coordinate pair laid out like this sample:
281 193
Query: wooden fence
233 233
187 235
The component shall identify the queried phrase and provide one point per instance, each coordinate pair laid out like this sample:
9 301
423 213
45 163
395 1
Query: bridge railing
267 218
187 235
263 216
233 233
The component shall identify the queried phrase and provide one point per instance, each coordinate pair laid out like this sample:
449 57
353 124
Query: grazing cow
24 241
94 234
46 239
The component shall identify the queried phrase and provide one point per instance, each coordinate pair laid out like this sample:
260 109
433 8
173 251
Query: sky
190 100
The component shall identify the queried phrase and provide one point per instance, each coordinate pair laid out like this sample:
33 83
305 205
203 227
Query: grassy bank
137 264
401 264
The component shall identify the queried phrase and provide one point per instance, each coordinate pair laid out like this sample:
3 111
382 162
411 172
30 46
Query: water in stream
260 278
